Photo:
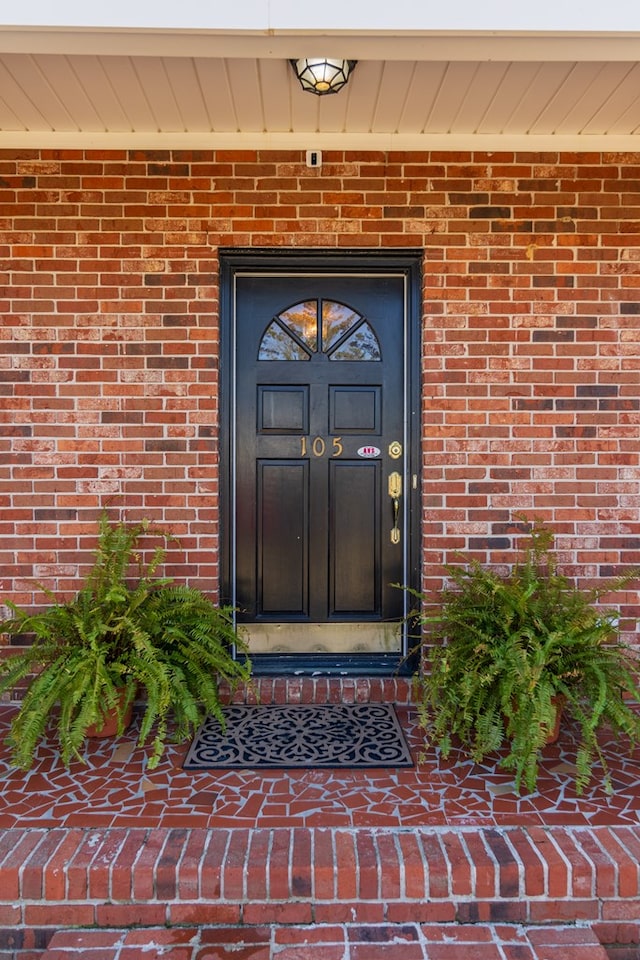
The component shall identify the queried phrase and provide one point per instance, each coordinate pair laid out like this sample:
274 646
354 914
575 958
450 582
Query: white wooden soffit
221 86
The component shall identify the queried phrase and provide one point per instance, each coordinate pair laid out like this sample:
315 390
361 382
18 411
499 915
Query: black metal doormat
301 736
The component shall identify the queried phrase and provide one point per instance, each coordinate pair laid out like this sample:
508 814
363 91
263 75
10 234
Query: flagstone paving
114 787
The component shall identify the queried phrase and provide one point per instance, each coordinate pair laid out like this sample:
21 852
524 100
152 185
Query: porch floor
442 860
114 788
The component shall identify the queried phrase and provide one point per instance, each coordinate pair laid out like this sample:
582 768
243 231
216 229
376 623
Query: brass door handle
394 487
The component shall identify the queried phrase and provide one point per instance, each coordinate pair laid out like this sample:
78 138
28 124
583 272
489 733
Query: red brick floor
380 865
350 942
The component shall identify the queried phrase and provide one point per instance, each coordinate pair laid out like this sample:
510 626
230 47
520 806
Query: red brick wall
109 340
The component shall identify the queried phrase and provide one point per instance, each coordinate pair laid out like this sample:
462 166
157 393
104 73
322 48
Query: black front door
320 465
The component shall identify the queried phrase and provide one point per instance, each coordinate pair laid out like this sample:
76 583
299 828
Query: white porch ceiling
428 91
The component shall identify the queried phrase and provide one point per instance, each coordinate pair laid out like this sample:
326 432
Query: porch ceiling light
322 76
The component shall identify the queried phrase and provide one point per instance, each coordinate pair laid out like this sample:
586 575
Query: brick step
280 690
331 942
377 879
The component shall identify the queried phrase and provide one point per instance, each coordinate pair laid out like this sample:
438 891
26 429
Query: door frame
407 263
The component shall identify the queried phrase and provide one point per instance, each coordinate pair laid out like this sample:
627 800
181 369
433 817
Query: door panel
355 409
320 415
354 538
283 513
283 409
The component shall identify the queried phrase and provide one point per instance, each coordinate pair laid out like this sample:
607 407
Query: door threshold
330 665
281 689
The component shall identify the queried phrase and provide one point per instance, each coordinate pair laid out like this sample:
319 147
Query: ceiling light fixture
322 76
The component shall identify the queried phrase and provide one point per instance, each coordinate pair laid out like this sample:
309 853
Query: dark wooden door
319 462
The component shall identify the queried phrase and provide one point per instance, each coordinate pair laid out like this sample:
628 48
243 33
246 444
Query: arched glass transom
319 326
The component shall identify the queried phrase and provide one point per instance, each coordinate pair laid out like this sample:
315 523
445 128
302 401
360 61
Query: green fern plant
126 630
500 650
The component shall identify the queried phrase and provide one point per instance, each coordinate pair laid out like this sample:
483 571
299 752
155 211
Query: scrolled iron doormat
301 736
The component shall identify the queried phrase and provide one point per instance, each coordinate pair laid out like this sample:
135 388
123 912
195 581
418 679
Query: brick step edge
343 941
178 876
281 690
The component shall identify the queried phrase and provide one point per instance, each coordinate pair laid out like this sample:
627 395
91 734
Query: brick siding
109 341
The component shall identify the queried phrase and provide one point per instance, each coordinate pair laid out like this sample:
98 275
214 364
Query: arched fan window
319 326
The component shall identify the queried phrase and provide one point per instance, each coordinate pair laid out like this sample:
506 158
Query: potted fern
503 651
127 630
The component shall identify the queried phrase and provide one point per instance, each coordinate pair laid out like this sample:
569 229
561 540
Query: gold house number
318 447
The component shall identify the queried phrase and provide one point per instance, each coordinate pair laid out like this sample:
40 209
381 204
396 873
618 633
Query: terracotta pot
558 702
110 726
554 733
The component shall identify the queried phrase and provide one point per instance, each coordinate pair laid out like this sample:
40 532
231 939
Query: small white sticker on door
368 452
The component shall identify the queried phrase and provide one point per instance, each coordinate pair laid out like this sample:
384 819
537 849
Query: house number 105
319 447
